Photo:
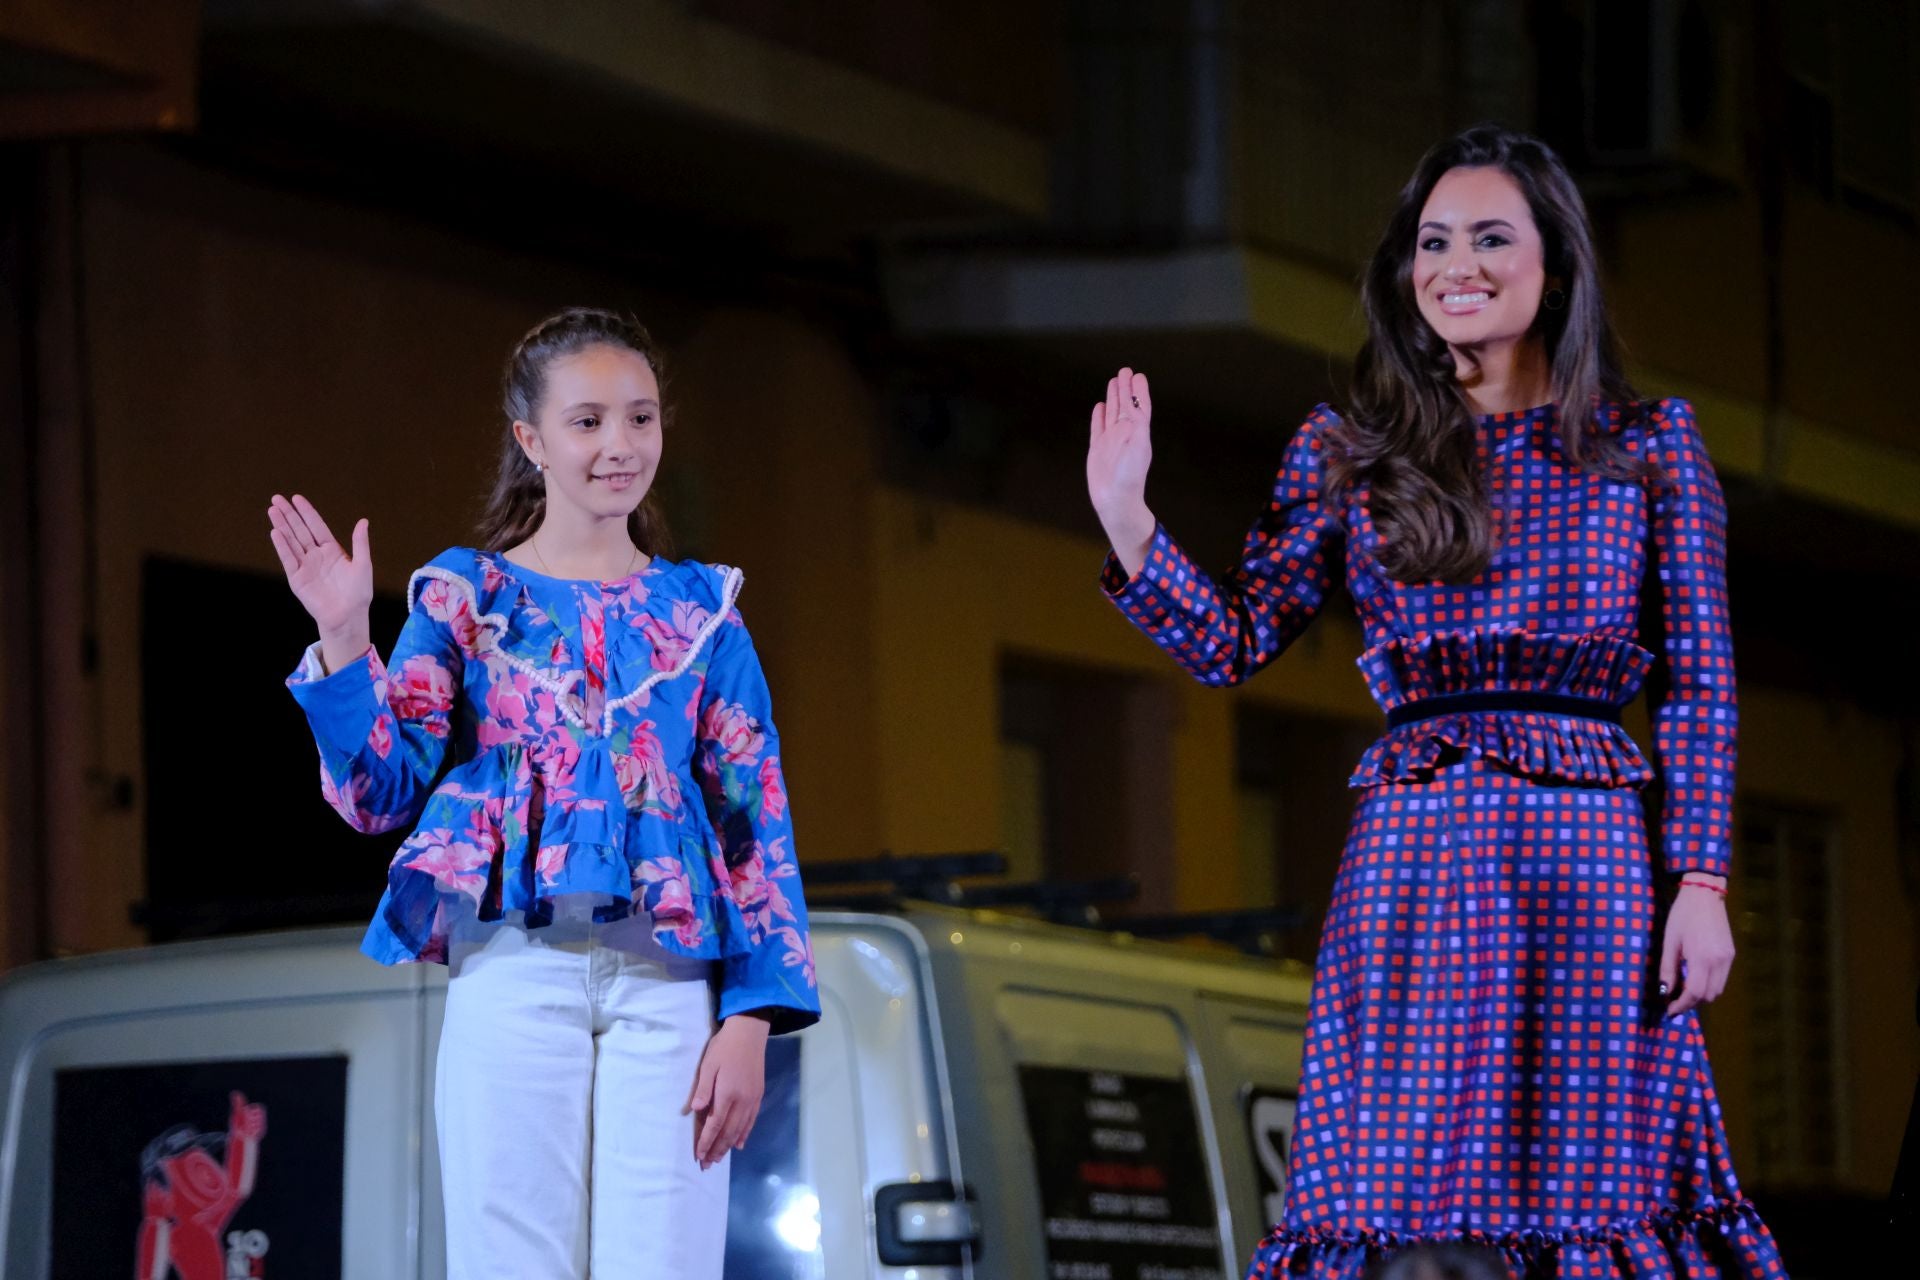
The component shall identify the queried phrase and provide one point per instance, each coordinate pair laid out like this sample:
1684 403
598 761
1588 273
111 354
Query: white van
985 1097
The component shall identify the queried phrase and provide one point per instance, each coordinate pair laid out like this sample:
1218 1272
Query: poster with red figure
227 1170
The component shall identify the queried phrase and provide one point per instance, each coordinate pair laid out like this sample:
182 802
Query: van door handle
925 1224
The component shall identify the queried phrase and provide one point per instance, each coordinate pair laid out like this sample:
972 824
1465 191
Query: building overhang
1286 329
1182 316
641 100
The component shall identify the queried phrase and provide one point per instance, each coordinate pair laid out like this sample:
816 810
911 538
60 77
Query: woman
1487 1059
609 855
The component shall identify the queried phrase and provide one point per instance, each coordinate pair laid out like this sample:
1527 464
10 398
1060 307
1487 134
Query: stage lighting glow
797 1220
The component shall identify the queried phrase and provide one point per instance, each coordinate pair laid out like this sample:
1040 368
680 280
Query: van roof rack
929 877
935 878
1063 902
1256 930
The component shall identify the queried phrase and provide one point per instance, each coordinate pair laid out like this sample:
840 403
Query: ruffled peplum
1723 1239
1543 745
495 833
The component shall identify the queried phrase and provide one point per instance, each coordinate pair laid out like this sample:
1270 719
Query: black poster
1123 1180
228 1170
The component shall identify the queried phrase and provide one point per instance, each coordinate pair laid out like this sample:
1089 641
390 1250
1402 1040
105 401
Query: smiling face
598 432
1479 267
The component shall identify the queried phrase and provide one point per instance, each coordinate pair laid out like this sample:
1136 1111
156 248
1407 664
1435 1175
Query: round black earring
1554 299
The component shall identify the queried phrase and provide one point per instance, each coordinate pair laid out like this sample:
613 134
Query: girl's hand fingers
282 517
277 518
745 1112
702 1136
362 543
288 561
736 1132
318 527
1113 400
705 1123
296 525
746 1130
702 1122
713 1136
719 1136
701 1095
1098 424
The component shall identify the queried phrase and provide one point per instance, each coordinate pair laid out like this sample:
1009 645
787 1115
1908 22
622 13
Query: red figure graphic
190 1198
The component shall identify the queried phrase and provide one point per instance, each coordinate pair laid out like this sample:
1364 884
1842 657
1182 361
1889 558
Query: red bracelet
1702 884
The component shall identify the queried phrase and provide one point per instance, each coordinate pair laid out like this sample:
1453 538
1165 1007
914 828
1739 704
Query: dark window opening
1294 808
238 837
1086 777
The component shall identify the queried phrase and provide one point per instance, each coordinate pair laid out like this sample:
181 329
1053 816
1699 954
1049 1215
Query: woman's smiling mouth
1464 301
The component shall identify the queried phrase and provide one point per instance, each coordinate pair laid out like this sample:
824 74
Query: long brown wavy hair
518 502
1408 432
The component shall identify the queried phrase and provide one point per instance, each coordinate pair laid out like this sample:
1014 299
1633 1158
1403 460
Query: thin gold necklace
533 540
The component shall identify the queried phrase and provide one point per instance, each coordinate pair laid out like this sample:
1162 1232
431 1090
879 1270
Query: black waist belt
1557 704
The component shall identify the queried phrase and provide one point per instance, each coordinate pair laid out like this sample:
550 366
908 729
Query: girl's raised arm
382 729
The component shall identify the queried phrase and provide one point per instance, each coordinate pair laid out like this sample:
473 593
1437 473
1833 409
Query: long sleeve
737 763
1696 718
1223 633
382 729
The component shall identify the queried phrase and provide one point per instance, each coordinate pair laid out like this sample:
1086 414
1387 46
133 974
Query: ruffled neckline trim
515 629
655 567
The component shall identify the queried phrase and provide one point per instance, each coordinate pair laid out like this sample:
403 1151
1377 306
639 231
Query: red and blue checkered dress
1485 1057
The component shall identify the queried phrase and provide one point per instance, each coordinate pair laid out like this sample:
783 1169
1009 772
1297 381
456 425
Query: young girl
1488 1057
580 736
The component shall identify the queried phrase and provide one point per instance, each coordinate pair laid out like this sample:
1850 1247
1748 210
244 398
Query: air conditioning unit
1145 161
1658 79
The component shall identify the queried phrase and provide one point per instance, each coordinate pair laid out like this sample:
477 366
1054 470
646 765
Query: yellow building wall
1799 751
777 423
959 587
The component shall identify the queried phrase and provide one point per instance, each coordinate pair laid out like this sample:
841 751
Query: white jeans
565 1062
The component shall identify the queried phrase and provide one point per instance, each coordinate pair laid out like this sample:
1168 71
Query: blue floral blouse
547 737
